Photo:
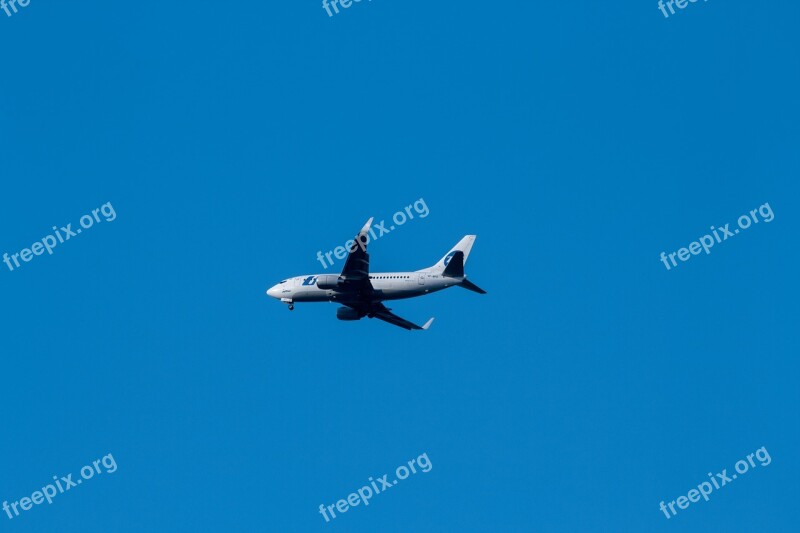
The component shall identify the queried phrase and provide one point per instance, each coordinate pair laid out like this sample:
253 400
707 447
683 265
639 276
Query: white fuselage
386 285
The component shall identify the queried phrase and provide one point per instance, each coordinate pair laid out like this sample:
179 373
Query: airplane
361 293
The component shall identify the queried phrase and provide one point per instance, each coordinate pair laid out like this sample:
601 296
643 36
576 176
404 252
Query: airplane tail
452 264
463 246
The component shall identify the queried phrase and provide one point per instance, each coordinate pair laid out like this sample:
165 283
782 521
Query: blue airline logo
310 280
448 257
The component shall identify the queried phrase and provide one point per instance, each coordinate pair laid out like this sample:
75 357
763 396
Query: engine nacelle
328 282
347 313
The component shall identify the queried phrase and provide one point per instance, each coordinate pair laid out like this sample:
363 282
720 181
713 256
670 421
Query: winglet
428 323
361 240
366 226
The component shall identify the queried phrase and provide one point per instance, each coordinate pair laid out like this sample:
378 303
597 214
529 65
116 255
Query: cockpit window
284 281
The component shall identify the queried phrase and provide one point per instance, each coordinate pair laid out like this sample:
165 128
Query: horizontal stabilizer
471 286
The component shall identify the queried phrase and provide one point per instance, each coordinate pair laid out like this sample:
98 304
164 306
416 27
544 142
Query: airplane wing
382 312
356 266
355 275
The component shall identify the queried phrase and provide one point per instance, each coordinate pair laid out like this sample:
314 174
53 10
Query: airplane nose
274 292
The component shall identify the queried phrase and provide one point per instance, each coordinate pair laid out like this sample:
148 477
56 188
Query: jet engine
347 313
328 282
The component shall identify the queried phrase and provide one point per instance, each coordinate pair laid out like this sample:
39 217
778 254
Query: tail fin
455 269
452 264
464 246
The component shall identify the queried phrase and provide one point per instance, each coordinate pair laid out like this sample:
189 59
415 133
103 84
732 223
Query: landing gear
291 307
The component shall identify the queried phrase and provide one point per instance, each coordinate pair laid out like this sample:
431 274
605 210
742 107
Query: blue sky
578 140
